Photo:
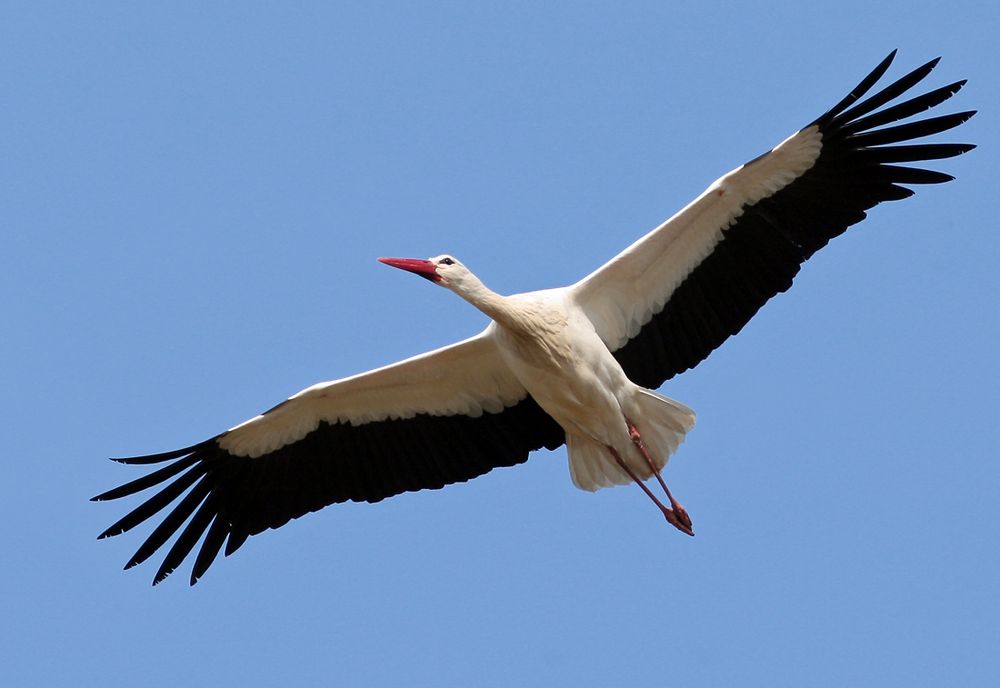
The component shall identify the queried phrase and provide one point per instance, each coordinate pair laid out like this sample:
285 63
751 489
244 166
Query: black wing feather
835 118
155 503
171 523
911 107
236 497
761 252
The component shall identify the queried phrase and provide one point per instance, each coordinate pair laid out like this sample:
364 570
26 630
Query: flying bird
575 365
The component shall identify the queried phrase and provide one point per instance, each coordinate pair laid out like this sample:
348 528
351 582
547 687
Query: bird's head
445 270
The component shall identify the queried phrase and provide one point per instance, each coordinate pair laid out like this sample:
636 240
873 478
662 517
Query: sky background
192 198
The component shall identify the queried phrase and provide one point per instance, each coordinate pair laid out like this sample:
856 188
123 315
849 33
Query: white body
553 350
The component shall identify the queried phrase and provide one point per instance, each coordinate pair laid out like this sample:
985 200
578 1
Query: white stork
576 364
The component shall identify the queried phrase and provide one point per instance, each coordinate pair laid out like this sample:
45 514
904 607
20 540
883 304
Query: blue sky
192 201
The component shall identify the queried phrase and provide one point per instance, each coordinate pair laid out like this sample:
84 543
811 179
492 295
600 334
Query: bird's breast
565 366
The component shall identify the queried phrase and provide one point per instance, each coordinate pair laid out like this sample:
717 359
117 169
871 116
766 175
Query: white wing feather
466 378
623 295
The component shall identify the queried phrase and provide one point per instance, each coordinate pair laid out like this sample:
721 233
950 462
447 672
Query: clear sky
192 198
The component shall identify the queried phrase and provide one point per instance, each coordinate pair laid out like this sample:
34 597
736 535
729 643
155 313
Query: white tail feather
662 424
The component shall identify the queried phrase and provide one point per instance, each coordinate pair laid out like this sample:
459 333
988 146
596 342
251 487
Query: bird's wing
671 298
443 417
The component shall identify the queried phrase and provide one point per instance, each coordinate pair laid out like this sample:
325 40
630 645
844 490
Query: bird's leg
671 516
682 514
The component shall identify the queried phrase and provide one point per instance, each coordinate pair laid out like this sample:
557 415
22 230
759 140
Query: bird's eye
446 261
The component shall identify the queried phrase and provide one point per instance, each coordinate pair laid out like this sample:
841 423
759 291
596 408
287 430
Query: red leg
673 517
682 513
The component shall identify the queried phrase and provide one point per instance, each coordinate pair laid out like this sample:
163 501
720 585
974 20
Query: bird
576 365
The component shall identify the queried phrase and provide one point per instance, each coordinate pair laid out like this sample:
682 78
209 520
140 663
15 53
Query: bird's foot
679 519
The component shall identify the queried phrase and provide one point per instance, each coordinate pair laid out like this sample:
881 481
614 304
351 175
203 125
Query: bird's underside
655 310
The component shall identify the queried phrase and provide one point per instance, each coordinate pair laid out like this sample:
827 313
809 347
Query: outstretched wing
443 417
671 298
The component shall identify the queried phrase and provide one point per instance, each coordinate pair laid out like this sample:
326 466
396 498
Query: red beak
424 268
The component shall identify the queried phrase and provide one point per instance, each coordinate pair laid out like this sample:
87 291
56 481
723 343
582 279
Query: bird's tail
661 422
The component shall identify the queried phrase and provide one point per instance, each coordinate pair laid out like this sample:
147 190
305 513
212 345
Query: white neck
470 288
